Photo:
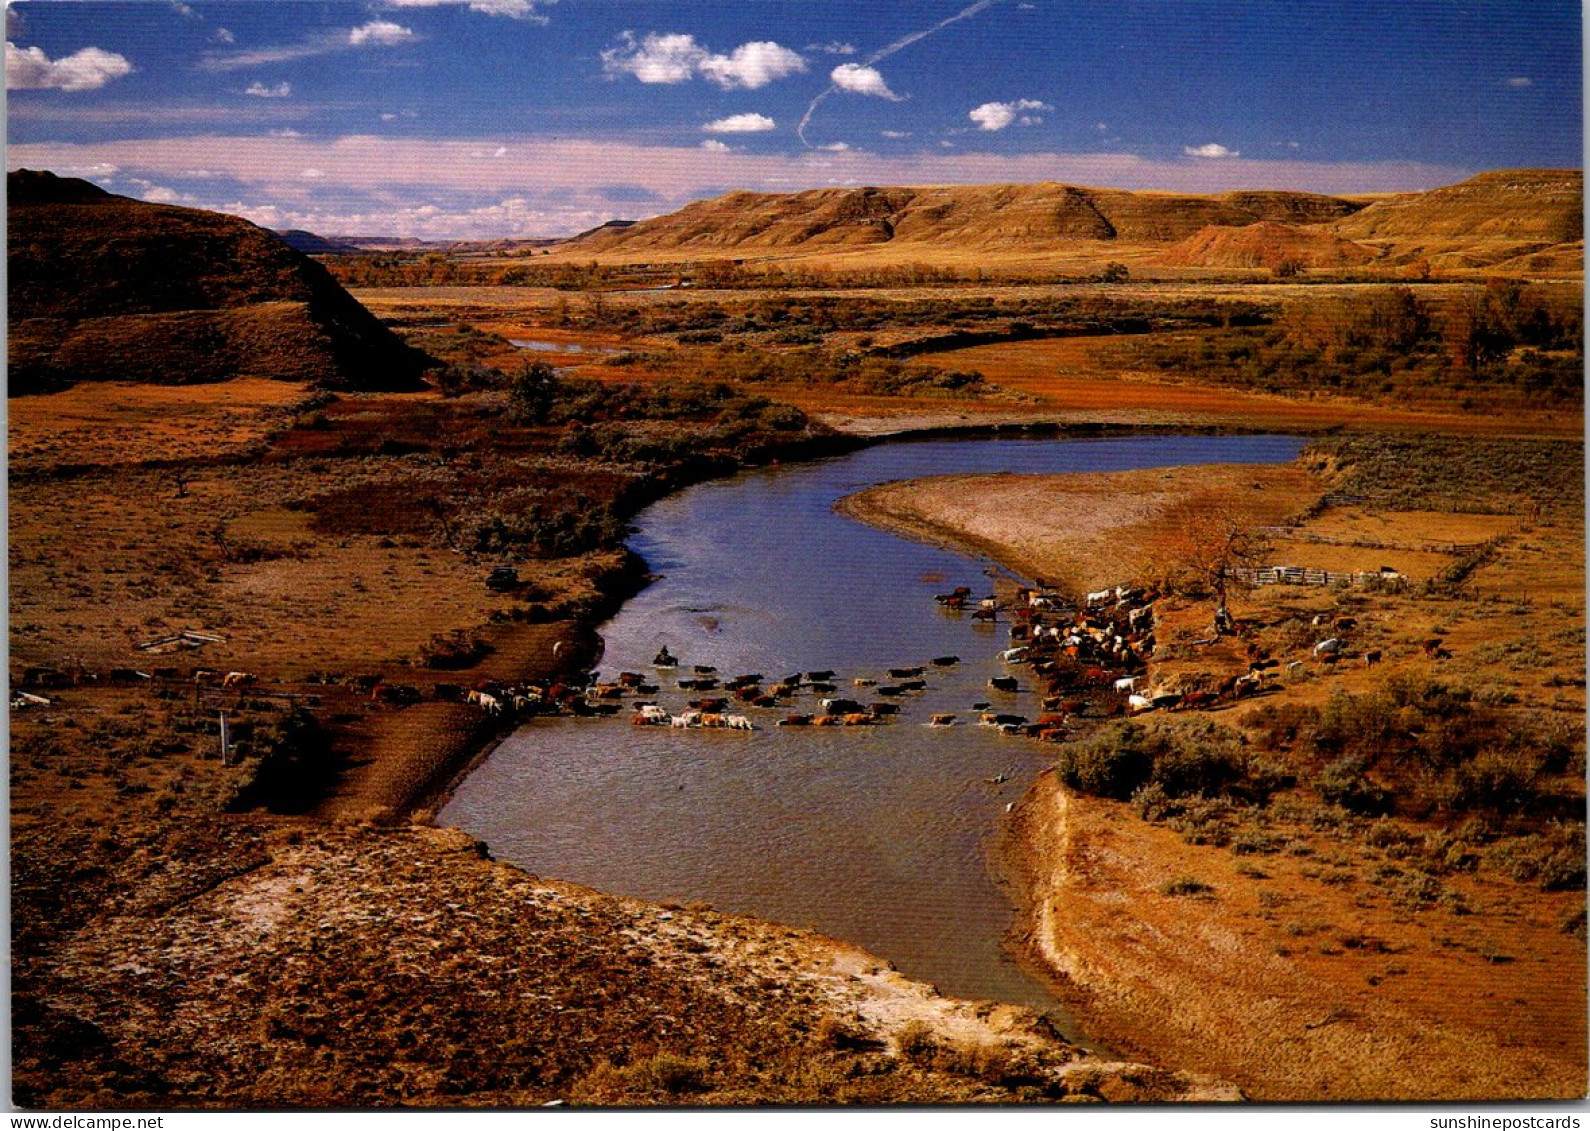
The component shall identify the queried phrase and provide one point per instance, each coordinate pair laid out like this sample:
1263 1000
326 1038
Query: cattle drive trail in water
869 817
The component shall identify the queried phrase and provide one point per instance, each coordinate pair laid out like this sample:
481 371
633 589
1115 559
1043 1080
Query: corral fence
1297 575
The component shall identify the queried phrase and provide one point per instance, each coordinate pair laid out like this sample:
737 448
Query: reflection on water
875 835
559 347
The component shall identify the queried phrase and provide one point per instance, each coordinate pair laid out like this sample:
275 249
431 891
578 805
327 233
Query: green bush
1497 780
1343 783
1113 763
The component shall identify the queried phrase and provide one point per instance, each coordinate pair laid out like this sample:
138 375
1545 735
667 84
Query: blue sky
477 118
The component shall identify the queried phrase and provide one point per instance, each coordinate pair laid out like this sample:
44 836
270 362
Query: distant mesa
1511 221
311 244
1513 204
1266 244
104 288
1524 220
1036 217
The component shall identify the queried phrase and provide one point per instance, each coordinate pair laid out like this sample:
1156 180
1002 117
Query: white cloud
313 174
835 147
858 79
183 10
741 124
383 33
713 145
513 9
1519 82
998 115
752 65
1212 151
376 33
833 48
260 90
674 57
896 134
289 133
224 35
89 69
160 194
669 58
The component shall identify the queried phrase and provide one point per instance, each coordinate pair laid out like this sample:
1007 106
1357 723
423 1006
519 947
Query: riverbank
1305 953
1054 526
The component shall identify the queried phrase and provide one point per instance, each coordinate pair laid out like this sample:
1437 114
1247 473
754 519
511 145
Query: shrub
670 1073
1257 844
449 651
1205 821
1205 765
1343 783
1186 885
916 1042
1113 763
532 391
1498 780
296 765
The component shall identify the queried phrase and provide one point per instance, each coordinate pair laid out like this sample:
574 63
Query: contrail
885 52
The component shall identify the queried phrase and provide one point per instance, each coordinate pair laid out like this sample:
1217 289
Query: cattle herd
1085 660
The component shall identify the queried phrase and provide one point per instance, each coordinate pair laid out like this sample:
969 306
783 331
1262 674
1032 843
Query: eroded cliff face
961 216
103 288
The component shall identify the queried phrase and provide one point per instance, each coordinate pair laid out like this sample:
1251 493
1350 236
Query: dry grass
1298 987
1081 375
124 423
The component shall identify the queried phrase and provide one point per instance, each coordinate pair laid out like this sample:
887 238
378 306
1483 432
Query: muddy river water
875 835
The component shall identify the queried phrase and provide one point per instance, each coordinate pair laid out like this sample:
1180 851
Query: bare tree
1204 545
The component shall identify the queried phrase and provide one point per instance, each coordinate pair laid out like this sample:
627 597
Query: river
875 835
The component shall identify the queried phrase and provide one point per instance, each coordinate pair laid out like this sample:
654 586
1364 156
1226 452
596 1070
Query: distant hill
107 288
311 244
609 226
1513 204
1526 221
1032 216
1267 244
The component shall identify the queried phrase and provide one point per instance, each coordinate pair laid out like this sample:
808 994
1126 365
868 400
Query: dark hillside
107 288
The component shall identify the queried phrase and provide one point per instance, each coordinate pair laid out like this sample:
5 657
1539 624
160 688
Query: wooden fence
1297 575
